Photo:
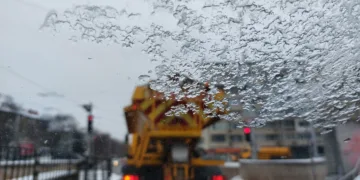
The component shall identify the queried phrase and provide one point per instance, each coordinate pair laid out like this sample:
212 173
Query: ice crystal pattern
285 58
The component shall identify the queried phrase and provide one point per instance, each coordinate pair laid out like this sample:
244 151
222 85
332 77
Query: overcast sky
82 72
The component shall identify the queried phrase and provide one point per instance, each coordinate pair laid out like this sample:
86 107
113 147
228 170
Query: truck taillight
218 177
131 177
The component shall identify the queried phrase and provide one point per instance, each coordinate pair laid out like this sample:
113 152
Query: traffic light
247 132
90 121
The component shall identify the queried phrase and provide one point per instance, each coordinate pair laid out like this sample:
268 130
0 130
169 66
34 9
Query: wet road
116 167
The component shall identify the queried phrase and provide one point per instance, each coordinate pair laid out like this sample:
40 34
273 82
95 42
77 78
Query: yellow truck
163 146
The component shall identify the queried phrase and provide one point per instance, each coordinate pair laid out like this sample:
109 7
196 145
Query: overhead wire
39 85
33 82
20 76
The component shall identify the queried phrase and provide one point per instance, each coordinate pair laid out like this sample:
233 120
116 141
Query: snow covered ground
41 160
101 175
46 175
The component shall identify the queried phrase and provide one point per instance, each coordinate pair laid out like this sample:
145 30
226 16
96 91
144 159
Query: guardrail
283 169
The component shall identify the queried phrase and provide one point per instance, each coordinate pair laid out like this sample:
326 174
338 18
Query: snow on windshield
287 58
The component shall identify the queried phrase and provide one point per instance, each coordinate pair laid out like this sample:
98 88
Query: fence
96 168
28 163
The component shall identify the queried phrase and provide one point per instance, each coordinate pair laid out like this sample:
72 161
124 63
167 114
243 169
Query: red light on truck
134 107
218 177
131 177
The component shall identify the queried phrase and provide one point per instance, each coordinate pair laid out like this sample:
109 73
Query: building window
304 136
304 123
218 138
290 136
289 123
234 126
271 136
221 126
270 125
321 150
236 138
234 102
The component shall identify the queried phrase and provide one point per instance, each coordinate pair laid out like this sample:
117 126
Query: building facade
294 133
289 133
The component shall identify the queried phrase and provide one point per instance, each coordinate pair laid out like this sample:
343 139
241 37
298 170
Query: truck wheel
205 173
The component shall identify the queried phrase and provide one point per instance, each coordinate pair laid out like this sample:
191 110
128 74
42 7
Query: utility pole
16 139
230 134
250 138
313 141
230 139
282 129
313 148
254 150
88 109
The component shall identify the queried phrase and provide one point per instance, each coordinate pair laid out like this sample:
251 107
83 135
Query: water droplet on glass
326 132
144 78
278 77
347 140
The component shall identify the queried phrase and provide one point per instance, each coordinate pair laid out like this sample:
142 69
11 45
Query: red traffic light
90 117
247 130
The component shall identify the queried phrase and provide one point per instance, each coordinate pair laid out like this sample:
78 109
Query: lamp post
88 109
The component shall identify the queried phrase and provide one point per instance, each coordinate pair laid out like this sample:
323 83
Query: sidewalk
100 175
237 178
46 175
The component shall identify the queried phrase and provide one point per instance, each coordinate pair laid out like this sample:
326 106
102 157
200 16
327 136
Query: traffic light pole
250 138
253 146
88 109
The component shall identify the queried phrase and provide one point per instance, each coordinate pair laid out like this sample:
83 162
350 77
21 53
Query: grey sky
107 78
